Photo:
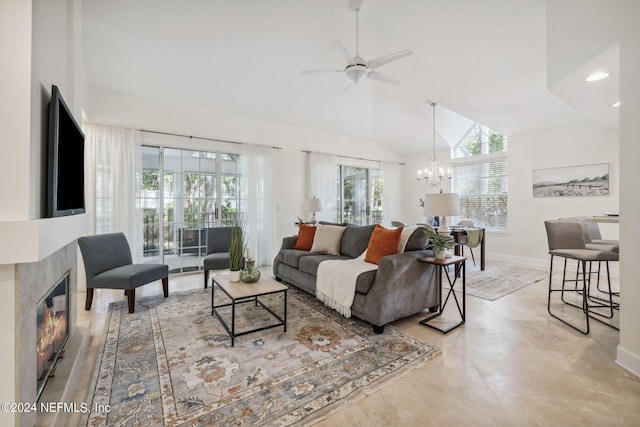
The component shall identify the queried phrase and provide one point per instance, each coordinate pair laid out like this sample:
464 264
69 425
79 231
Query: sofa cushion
305 237
355 240
327 239
216 261
292 257
418 241
309 264
383 242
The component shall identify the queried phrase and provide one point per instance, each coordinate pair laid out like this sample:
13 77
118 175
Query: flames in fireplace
52 329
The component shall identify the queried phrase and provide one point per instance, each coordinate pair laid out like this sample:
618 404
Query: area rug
171 363
498 280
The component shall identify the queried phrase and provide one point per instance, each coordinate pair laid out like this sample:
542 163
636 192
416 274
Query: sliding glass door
183 194
360 192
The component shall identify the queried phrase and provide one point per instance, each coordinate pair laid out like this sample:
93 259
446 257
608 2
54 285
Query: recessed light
597 76
616 104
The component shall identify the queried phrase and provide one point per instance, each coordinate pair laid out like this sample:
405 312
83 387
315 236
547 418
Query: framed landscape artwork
586 180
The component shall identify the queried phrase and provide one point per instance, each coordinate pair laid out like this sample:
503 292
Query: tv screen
65 175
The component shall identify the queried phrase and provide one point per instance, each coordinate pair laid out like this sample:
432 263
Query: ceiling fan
357 68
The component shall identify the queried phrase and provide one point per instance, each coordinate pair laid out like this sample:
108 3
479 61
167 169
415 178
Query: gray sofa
402 286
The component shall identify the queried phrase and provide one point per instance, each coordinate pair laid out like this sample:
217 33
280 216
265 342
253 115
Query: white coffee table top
237 290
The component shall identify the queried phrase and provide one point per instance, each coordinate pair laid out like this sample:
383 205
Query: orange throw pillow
383 242
305 237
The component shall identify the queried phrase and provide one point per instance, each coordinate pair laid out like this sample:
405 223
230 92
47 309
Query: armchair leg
165 286
89 299
206 278
131 299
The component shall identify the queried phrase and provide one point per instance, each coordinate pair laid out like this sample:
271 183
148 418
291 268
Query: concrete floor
511 364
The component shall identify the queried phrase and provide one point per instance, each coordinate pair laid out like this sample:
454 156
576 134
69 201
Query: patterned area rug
498 280
171 363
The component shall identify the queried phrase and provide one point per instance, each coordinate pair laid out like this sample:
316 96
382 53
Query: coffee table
240 293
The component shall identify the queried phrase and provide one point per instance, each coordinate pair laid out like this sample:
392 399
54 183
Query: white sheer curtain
256 171
113 171
392 192
322 181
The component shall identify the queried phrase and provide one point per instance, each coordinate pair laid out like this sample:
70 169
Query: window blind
482 186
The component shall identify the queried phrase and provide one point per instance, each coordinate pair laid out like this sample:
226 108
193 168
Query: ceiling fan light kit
357 67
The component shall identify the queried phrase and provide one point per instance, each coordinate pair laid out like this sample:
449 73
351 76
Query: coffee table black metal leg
285 311
233 322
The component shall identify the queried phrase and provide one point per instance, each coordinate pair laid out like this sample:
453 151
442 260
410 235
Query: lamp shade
441 204
314 205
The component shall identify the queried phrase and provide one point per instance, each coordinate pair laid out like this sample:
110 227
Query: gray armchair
218 240
108 264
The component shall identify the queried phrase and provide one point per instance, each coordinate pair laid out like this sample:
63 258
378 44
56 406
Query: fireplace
52 322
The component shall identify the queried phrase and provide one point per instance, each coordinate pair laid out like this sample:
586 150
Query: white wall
15 84
15 113
131 111
629 348
525 240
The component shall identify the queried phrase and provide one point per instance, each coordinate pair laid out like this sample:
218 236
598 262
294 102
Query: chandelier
434 174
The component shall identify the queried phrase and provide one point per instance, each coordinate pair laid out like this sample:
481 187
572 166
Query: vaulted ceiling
482 59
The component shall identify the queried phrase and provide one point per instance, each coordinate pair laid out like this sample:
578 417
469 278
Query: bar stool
566 240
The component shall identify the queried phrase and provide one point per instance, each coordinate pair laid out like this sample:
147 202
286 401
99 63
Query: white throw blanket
336 282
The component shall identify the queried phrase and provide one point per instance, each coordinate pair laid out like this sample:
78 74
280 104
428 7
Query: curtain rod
351 157
208 139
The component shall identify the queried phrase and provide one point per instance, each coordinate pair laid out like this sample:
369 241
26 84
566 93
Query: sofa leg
131 299
433 309
378 329
165 286
206 278
89 299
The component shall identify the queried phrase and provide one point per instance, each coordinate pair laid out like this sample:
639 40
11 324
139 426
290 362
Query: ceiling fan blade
381 77
321 71
344 52
375 63
346 86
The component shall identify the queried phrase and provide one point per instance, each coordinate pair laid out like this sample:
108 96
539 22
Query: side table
459 264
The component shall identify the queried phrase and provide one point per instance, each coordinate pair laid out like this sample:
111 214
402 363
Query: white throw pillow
407 231
327 239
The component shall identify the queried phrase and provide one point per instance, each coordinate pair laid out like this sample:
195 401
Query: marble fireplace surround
42 252
34 280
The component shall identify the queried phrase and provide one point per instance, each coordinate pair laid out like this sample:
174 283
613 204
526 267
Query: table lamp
442 205
314 205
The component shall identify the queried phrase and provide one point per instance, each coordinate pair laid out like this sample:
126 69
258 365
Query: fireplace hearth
52 321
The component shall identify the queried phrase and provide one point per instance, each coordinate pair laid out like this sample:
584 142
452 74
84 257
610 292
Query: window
480 177
184 192
359 195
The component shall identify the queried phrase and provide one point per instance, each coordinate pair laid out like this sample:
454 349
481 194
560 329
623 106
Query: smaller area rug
171 363
498 280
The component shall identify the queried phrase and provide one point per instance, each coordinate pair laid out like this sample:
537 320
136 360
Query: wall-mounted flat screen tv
65 174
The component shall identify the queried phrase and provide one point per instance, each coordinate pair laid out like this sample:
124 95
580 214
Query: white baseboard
628 360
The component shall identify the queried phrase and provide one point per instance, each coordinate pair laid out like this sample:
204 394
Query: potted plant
236 253
439 242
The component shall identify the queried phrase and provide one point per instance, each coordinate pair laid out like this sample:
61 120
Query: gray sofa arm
403 286
289 242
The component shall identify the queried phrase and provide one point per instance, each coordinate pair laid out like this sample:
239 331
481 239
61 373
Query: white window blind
482 186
